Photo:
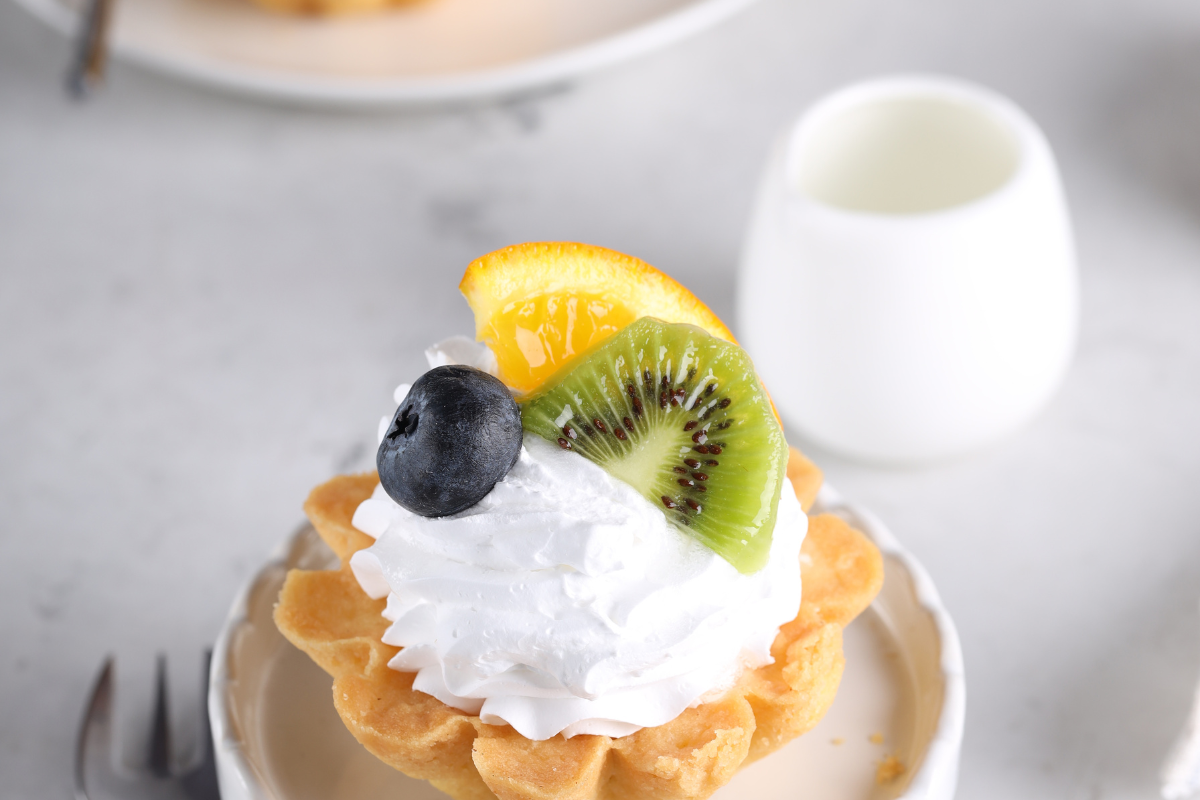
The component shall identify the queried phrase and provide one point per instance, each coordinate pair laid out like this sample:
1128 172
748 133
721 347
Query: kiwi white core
643 465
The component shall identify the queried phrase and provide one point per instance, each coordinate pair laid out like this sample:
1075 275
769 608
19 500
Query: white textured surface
202 299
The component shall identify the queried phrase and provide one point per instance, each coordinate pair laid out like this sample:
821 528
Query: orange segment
539 305
551 329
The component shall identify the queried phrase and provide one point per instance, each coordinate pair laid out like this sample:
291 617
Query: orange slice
539 305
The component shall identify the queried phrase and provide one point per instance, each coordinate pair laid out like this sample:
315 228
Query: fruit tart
584 568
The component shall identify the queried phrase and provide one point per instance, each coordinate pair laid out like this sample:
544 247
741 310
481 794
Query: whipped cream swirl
565 602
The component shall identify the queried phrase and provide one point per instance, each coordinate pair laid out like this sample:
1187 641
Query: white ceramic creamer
908 286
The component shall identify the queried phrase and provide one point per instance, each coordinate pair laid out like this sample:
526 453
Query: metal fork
96 777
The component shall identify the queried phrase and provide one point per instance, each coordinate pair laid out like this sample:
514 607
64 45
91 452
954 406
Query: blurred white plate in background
436 51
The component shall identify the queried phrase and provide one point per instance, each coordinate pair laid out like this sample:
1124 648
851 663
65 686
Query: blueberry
457 433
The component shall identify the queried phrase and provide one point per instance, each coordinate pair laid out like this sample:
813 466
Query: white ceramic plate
438 50
278 737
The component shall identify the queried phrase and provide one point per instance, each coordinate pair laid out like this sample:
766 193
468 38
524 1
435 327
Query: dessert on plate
584 568
322 8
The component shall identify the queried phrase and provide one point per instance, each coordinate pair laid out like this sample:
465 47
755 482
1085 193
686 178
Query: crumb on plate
889 769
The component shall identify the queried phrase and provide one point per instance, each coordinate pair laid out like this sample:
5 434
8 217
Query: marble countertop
204 303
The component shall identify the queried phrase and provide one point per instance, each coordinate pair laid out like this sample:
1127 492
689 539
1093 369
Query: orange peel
540 305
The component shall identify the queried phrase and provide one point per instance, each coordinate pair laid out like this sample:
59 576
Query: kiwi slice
681 416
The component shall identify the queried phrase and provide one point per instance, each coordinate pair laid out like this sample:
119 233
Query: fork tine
201 782
206 744
159 762
96 715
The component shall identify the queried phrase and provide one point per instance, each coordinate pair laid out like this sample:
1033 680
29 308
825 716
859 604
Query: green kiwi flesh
681 416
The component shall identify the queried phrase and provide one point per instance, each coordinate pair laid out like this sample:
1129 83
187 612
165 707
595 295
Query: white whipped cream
564 601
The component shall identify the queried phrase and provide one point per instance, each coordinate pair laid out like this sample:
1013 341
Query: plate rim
935 779
521 76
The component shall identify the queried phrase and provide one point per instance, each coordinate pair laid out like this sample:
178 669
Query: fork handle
91 49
